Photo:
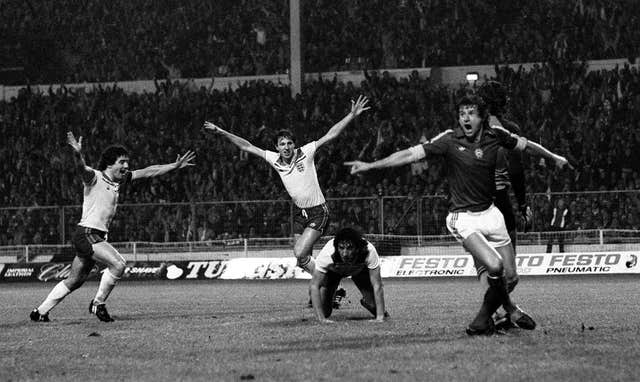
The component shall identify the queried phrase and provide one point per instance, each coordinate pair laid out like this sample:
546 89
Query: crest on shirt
296 162
479 153
461 148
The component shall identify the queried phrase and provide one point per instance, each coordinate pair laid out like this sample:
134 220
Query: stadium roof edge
449 75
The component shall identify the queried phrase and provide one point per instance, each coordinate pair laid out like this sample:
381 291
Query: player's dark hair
350 235
494 95
110 155
284 134
472 99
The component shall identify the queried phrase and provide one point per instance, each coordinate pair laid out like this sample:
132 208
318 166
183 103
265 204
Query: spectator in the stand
251 38
560 220
158 120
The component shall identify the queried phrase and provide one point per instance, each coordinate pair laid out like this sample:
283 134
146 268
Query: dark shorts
503 202
361 279
83 238
316 217
330 284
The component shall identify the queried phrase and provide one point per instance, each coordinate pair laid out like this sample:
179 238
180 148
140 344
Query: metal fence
395 215
586 241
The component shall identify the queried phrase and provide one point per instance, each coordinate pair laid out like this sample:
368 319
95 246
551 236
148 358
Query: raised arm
538 149
357 108
82 169
523 144
185 160
242 143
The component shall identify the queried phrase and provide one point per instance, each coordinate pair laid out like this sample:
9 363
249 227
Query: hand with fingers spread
185 160
76 145
211 126
81 167
357 107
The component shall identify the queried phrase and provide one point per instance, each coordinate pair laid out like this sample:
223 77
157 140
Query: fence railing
387 245
396 215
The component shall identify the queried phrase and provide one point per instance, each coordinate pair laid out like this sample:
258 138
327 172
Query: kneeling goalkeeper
347 254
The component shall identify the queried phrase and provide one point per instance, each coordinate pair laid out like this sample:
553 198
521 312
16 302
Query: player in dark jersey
509 166
471 151
509 175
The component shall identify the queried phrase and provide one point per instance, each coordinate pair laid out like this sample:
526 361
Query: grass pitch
261 330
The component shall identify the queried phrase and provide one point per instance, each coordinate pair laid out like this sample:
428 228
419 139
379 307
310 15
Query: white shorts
489 223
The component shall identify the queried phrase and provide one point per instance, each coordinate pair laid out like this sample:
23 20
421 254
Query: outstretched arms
437 146
538 149
161 169
523 144
357 108
85 171
242 143
398 158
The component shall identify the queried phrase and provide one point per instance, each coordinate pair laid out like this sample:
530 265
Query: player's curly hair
110 155
495 96
354 237
284 134
473 99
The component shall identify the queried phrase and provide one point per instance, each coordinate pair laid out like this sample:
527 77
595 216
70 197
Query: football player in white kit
297 170
101 189
348 254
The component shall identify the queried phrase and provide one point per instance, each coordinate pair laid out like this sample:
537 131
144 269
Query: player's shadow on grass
310 319
209 313
359 318
53 323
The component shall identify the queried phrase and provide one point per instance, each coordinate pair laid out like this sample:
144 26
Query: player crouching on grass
347 254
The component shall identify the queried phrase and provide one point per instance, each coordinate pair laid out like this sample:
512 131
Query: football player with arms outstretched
470 151
101 191
297 170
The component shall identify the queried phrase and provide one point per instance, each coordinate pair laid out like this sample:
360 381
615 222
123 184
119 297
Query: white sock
59 292
107 282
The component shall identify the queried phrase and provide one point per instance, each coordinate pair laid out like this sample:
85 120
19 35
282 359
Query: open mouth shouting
467 128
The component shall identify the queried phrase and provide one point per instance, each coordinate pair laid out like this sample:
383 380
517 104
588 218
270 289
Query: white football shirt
299 177
100 201
325 263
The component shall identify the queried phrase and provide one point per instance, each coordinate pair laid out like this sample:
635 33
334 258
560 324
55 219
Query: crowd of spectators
67 42
591 117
